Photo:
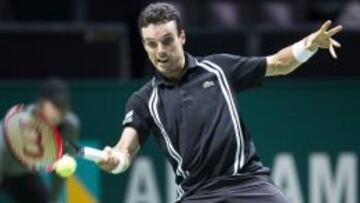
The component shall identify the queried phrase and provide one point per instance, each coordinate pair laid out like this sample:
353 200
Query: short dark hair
160 12
57 92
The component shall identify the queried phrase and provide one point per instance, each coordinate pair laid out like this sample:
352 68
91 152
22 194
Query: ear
182 36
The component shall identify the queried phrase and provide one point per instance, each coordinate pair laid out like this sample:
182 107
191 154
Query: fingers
110 161
332 51
334 30
325 26
335 43
328 34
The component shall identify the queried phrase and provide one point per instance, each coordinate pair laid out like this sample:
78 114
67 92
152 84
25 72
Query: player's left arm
288 59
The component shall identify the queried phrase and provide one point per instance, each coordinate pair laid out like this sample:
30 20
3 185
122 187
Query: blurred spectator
231 14
350 15
279 13
224 13
194 12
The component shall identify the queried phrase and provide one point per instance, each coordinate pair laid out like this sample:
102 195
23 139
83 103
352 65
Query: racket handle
92 154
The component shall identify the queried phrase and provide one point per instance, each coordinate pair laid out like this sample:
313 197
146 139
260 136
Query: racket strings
16 128
50 154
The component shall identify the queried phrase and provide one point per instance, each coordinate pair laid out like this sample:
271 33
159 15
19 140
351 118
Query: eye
167 41
151 44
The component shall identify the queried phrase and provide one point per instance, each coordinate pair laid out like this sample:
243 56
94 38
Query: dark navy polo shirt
196 121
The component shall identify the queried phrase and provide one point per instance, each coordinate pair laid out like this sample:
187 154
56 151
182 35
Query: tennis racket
36 144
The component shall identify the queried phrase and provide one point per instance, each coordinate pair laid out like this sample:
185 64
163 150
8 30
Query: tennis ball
65 166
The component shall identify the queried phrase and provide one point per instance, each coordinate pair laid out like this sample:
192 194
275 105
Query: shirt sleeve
242 72
70 132
137 116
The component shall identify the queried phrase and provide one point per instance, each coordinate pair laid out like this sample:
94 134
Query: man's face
51 113
164 46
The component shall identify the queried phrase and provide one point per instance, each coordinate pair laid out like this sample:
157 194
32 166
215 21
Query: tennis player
17 181
190 106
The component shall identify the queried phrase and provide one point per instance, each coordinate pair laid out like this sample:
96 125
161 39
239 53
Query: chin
163 69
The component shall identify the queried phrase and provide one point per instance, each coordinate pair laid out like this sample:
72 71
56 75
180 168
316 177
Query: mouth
162 60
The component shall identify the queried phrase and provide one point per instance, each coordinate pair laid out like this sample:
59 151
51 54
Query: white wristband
123 164
300 52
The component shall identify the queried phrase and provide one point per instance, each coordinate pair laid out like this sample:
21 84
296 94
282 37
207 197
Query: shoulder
218 58
145 91
72 120
143 94
221 61
233 62
71 125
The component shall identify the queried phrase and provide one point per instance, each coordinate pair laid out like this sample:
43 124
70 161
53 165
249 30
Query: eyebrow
164 36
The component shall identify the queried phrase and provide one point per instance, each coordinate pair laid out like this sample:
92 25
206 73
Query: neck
177 75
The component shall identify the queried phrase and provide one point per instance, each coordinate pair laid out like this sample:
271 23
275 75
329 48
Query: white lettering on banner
328 183
326 188
286 176
143 187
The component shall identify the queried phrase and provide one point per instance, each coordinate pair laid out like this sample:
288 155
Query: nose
161 49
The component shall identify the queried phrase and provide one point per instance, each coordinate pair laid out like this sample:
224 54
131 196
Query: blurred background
305 125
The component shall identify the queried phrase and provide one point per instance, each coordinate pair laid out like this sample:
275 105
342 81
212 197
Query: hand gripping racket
36 144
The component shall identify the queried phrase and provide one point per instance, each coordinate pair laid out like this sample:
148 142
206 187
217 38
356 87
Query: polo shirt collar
190 63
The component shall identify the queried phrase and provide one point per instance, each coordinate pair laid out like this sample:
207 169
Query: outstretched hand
323 38
110 162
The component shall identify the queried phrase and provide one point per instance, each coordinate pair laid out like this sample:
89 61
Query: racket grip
93 154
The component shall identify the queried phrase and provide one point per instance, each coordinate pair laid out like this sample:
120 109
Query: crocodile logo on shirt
208 83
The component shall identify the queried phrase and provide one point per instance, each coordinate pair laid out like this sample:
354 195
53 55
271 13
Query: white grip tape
93 154
123 164
300 52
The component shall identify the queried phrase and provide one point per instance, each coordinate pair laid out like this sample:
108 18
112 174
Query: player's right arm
136 126
127 147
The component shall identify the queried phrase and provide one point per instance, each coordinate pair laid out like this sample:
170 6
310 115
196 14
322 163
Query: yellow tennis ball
65 166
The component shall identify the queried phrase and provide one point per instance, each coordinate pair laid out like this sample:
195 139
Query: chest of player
187 108
196 94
